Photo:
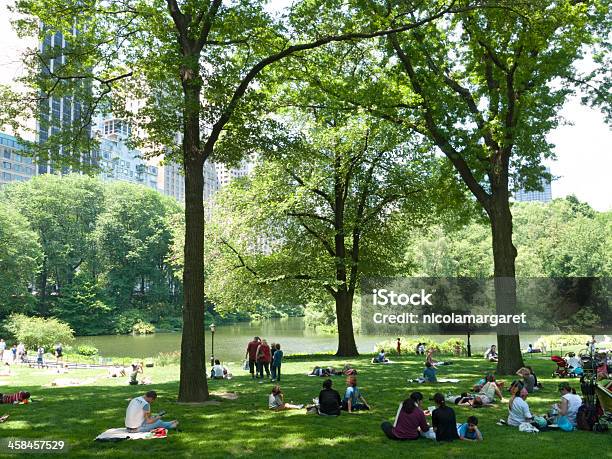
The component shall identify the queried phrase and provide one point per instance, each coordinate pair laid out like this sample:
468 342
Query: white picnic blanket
121 433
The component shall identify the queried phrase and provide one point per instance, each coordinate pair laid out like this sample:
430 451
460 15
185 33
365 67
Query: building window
6 165
6 176
7 153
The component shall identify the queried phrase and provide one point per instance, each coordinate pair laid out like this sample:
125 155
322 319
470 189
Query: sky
583 146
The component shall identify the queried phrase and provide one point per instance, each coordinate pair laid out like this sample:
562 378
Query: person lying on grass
409 421
487 393
17 397
138 416
276 401
353 400
469 431
443 420
329 400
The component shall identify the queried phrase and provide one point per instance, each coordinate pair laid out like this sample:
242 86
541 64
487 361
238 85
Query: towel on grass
122 433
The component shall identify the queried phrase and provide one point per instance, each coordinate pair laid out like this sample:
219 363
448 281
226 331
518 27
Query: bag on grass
564 424
586 417
527 427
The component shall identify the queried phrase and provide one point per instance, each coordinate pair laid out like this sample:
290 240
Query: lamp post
212 356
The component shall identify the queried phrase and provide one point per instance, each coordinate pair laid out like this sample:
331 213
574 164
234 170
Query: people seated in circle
469 430
518 409
568 405
330 402
381 357
353 400
276 401
443 420
429 374
491 354
409 422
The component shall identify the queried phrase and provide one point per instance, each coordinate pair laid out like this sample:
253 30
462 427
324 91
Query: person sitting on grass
529 380
353 400
17 397
330 403
138 416
409 421
216 372
518 409
469 431
430 373
276 401
491 354
380 358
443 420
136 370
570 402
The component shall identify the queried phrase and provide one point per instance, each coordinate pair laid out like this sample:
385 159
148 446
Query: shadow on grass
245 427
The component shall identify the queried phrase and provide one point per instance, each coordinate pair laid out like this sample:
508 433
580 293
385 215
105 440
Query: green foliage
20 254
453 346
143 328
165 359
38 331
125 321
408 345
87 350
556 342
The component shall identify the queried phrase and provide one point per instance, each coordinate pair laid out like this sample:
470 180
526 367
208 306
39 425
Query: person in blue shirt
353 400
469 431
430 373
277 358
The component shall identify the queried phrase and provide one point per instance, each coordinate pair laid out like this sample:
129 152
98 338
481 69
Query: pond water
231 340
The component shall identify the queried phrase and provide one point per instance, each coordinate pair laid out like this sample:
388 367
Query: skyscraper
13 165
542 196
59 112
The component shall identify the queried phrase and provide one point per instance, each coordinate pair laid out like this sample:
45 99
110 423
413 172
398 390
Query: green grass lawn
245 427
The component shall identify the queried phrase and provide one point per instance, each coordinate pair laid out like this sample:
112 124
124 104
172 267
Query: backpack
586 417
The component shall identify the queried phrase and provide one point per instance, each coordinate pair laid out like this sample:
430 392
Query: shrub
38 331
143 328
448 347
85 349
551 342
124 322
408 345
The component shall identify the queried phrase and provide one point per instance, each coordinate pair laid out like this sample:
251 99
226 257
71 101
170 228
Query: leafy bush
557 341
170 324
85 349
124 322
37 331
450 346
143 328
408 345
164 359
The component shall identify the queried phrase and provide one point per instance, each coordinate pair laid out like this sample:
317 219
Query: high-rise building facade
116 160
14 166
58 112
541 196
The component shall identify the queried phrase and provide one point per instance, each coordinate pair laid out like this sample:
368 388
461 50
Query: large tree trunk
193 385
504 256
42 289
344 315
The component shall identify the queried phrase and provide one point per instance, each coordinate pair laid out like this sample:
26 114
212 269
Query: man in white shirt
2 349
138 415
519 411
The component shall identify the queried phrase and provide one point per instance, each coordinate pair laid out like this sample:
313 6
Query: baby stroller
562 370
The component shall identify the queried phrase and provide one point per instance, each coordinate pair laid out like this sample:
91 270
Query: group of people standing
263 356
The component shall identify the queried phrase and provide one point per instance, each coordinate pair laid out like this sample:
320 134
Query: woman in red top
264 357
409 422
